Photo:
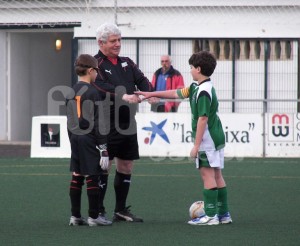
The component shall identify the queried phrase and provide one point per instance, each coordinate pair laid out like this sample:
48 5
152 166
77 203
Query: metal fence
244 105
252 75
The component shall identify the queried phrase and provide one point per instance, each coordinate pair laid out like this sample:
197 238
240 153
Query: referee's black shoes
126 215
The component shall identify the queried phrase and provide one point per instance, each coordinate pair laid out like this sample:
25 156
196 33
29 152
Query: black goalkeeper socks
103 188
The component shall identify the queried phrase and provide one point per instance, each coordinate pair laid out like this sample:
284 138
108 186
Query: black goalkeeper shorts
84 155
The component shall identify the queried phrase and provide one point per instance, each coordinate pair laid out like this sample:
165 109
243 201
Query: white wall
216 19
49 67
165 18
3 97
20 86
35 68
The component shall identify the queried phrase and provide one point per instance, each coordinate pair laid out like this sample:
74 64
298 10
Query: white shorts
211 158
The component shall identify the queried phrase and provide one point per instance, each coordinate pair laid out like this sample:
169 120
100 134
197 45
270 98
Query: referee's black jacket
114 81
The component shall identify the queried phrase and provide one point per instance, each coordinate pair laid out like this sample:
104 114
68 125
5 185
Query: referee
117 80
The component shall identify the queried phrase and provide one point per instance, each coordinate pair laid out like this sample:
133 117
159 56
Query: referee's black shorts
84 155
122 146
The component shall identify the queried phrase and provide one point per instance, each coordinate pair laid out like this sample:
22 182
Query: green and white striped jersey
204 102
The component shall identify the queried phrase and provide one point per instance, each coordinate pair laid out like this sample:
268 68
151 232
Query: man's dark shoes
126 215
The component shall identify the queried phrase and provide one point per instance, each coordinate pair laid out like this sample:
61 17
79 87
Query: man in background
166 78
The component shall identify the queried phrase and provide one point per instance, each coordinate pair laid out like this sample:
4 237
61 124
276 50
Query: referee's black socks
121 185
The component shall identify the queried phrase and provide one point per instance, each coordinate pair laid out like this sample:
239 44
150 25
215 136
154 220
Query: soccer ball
197 209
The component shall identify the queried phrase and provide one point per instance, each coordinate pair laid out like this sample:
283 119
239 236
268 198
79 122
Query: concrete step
14 149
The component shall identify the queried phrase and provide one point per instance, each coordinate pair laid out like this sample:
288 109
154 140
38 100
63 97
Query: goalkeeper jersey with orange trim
204 102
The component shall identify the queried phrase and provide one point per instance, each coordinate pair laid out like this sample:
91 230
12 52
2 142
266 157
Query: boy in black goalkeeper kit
87 137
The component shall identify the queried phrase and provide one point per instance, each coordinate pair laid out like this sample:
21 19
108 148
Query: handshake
104 158
135 98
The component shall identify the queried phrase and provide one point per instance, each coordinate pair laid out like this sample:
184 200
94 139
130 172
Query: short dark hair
205 60
84 62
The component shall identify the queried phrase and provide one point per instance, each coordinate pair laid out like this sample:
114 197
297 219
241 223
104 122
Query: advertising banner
49 137
170 134
282 135
164 134
243 134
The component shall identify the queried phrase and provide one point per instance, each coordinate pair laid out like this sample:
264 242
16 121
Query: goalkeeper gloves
104 158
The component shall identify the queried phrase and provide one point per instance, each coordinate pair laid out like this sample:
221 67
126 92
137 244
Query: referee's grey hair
105 30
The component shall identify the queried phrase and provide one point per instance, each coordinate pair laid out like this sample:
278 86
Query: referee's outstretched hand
131 98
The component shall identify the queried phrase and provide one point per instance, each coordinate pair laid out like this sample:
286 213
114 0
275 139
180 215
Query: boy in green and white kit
209 138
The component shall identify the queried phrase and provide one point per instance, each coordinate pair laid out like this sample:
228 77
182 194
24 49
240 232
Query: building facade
256 45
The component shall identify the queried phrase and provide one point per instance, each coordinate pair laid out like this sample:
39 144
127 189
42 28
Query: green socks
222 201
210 201
215 201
